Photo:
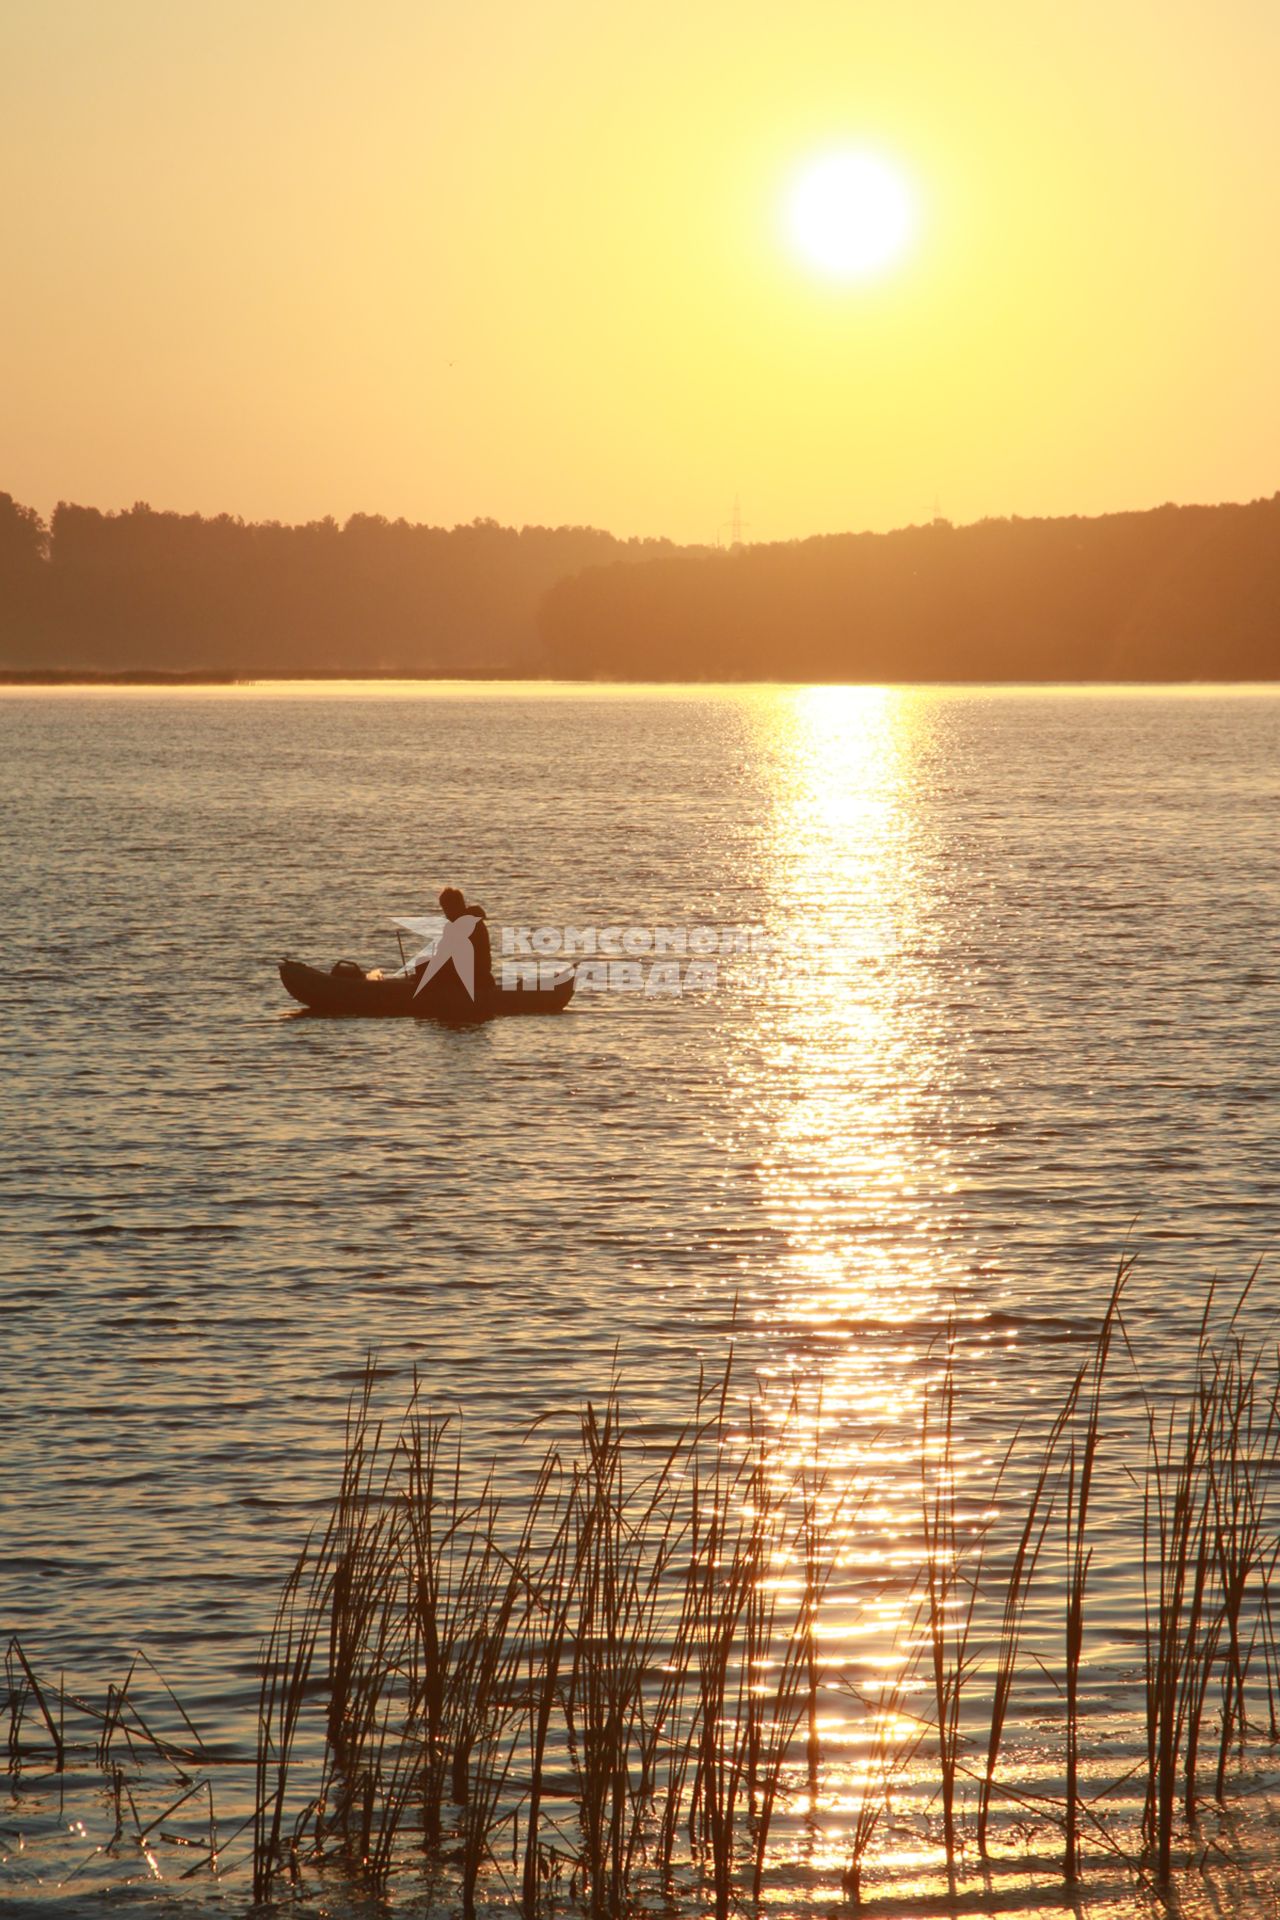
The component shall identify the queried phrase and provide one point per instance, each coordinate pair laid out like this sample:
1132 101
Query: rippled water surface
1019 1009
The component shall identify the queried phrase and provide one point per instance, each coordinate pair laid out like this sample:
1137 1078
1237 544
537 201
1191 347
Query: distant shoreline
218 677
157 677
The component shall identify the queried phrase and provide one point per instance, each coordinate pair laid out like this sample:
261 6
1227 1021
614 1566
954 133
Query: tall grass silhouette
606 1690
603 1692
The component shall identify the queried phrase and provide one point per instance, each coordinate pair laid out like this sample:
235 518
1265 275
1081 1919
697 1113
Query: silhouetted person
458 978
455 909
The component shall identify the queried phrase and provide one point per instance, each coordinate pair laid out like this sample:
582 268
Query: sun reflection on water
848 1084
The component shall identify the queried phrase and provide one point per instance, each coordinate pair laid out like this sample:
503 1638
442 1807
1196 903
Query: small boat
347 990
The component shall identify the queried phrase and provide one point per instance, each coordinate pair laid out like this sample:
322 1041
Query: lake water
1013 1005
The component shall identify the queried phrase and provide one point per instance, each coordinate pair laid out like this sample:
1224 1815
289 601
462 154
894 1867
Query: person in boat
452 905
458 977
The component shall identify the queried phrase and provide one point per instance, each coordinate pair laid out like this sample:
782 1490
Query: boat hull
350 994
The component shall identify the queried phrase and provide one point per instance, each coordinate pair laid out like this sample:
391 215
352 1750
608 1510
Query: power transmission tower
735 524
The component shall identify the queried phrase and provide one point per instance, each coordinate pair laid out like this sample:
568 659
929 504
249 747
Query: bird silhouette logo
450 945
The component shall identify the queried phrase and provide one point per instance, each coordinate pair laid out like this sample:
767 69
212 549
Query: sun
850 215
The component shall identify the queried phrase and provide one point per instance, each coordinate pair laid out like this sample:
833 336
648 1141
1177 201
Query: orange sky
291 257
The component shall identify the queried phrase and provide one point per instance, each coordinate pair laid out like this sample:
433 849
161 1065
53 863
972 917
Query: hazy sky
526 258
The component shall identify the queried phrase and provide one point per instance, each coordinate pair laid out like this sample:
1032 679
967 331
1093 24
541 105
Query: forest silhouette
1173 593
180 592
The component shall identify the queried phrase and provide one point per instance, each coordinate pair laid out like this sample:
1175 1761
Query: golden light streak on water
847 1084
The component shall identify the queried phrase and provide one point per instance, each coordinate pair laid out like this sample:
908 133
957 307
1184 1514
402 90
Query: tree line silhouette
1174 593
181 592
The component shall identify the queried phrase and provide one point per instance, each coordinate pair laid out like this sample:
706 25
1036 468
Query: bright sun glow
850 215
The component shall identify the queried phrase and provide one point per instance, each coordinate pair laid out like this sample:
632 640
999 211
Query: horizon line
582 526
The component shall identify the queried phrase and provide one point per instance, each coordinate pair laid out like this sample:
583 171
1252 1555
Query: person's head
452 903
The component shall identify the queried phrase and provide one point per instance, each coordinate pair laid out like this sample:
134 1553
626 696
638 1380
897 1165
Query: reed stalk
1082 1455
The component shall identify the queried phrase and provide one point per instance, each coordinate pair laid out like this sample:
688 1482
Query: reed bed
606 1693
633 1642
603 1693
